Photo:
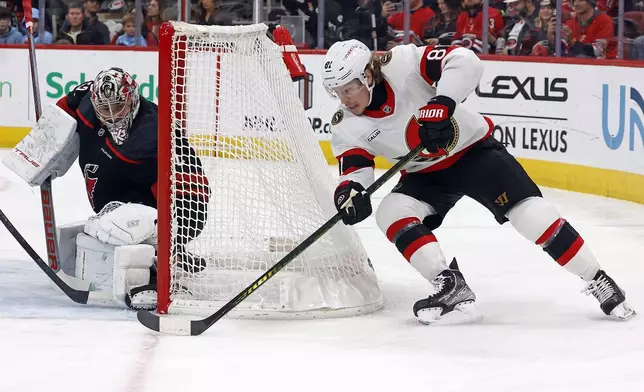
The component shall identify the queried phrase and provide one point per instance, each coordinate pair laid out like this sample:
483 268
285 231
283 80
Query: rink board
573 126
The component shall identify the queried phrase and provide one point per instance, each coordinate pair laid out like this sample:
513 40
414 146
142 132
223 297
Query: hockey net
228 91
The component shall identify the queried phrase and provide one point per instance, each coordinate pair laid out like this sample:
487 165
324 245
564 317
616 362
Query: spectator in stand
47 37
8 33
333 18
128 38
611 7
92 7
209 14
170 13
94 24
63 40
82 31
546 8
521 34
419 17
154 19
15 10
469 25
567 10
589 34
150 39
359 24
637 53
443 23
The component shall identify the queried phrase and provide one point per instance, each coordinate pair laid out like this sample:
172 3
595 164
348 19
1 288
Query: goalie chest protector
127 172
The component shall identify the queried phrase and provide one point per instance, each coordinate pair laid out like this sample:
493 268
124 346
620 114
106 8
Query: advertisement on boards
565 113
15 90
579 114
622 115
530 108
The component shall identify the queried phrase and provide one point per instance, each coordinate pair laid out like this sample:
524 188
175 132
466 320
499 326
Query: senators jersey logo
90 182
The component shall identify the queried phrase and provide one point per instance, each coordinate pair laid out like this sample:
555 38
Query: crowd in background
515 27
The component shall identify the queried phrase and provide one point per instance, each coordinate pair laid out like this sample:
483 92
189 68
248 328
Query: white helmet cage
344 62
116 102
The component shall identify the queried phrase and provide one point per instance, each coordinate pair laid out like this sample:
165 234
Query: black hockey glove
436 130
350 198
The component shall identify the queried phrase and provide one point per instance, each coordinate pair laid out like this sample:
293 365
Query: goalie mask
115 97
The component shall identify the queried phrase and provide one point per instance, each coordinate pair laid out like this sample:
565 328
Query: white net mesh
269 186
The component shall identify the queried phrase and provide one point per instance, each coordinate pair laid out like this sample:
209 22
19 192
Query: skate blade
623 312
463 313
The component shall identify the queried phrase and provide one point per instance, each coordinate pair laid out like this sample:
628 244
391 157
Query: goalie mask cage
228 92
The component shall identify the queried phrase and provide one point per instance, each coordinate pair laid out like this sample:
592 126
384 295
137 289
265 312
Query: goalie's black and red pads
282 37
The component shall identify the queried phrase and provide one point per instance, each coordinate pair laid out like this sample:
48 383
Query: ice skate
453 303
611 297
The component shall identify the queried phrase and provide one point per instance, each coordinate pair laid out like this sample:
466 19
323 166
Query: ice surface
538 333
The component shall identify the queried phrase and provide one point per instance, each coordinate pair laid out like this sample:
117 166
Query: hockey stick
181 326
77 290
46 195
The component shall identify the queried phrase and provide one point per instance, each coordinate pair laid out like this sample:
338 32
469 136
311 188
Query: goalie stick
77 290
182 326
46 195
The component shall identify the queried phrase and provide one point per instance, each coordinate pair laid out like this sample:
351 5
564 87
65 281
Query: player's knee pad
539 221
396 206
532 217
400 217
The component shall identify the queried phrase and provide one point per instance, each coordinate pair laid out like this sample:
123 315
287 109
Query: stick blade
166 324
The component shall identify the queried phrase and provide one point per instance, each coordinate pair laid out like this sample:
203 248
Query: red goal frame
164 186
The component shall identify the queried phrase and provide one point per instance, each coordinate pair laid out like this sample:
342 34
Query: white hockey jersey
413 75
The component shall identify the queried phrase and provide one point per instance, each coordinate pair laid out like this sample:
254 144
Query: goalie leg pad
67 246
122 270
94 261
131 287
49 149
124 224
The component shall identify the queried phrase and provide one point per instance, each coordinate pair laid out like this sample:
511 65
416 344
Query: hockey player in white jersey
410 95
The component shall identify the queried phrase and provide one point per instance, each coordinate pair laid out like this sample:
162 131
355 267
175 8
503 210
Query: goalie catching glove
351 198
124 224
436 130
